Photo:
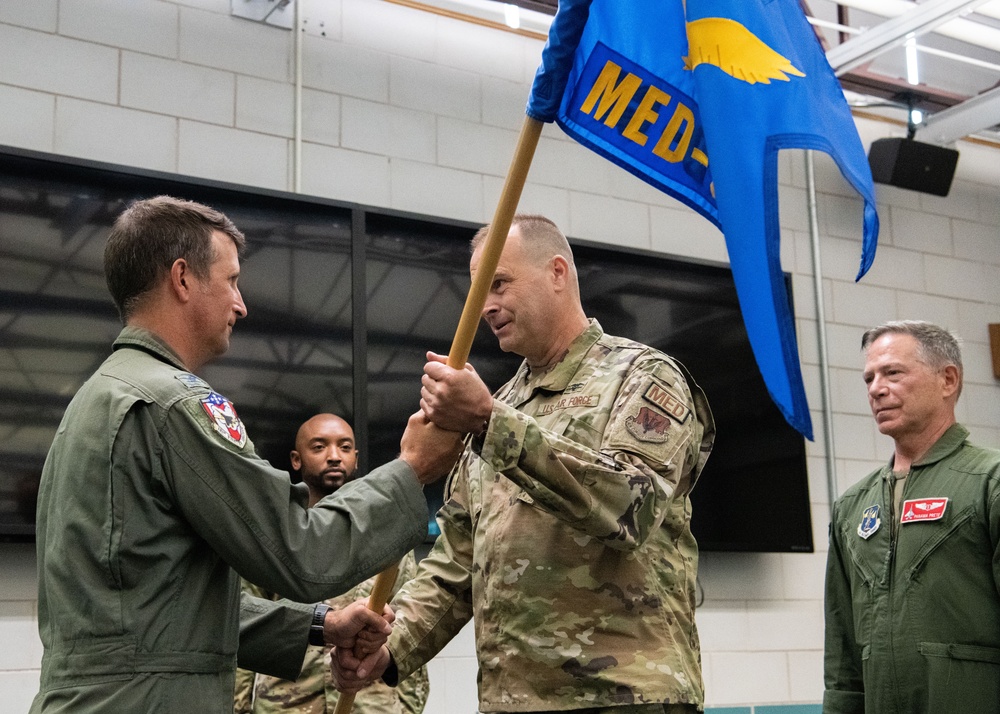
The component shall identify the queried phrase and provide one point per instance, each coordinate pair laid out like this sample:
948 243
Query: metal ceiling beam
959 28
972 115
892 33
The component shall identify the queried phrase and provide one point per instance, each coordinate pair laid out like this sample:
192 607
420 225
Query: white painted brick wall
218 40
321 117
253 158
429 87
350 70
268 107
350 175
179 89
148 26
32 125
40 15
60 65
450 192
105 132
413 111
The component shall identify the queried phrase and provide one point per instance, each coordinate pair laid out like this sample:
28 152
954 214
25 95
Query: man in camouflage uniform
565 532
326 458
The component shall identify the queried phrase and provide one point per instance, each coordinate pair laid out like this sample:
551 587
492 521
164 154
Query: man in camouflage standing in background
565 532
326 457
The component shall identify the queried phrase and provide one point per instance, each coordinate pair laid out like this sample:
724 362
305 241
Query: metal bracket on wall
280 13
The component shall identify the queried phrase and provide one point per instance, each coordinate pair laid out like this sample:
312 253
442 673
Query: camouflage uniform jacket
566 534
150 497
314 691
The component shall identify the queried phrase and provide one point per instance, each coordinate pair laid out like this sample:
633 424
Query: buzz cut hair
542 238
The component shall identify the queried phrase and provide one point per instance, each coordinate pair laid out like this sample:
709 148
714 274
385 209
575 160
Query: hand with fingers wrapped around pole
366 662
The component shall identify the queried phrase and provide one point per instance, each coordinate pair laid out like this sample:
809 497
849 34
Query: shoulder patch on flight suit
191 381
222 416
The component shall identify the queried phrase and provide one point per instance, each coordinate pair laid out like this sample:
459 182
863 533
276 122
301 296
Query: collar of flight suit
142 339
950 441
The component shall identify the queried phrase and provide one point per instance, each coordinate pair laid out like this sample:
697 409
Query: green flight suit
913 622
151 501
565 536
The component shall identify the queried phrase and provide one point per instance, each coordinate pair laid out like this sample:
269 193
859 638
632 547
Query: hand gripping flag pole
467 323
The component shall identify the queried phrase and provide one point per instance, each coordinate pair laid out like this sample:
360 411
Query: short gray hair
542 238
936 346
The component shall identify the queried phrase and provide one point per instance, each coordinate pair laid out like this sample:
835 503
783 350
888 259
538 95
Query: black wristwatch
316 628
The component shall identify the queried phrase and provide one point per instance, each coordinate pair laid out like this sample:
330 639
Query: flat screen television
343 302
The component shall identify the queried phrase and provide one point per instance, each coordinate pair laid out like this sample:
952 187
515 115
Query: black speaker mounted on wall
912 164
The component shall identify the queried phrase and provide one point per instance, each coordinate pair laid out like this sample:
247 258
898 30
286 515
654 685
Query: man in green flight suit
153 501
913 571
326 457
565 532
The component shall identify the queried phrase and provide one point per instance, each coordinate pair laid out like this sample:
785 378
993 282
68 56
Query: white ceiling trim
916 20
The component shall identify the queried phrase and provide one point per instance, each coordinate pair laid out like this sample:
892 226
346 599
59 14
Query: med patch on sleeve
654 422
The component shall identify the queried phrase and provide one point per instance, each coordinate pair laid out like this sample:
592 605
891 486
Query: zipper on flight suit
891 562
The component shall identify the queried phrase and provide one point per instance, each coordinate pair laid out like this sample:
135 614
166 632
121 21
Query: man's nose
240 307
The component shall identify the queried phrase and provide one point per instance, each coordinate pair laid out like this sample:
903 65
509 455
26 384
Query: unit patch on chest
923 509
870 522
222 415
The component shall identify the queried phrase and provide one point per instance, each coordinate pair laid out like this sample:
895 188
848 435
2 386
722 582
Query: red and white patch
222 414
923 509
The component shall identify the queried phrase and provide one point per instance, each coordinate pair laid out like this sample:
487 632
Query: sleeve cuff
503 440
391 674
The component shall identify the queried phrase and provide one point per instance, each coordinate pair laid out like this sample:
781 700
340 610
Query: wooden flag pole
466 331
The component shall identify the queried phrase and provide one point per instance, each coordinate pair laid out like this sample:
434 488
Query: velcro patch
648 425
191 381
222 415
666 400
923 509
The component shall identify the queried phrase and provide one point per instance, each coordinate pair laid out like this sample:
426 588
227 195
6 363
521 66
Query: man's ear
560 272
296 460
180 280
949 380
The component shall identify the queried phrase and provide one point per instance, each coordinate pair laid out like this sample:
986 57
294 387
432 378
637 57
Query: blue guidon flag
697 99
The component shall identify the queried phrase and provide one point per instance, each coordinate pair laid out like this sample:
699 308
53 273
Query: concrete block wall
409 110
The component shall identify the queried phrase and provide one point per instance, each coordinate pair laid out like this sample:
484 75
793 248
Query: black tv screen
343 302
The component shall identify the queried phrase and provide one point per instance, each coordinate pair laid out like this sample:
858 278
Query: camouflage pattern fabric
566 534
313 692
636 709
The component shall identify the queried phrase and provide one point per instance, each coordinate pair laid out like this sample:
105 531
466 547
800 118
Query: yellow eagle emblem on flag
736 51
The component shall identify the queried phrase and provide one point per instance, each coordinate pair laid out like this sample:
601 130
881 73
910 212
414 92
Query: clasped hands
362 634
451 400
